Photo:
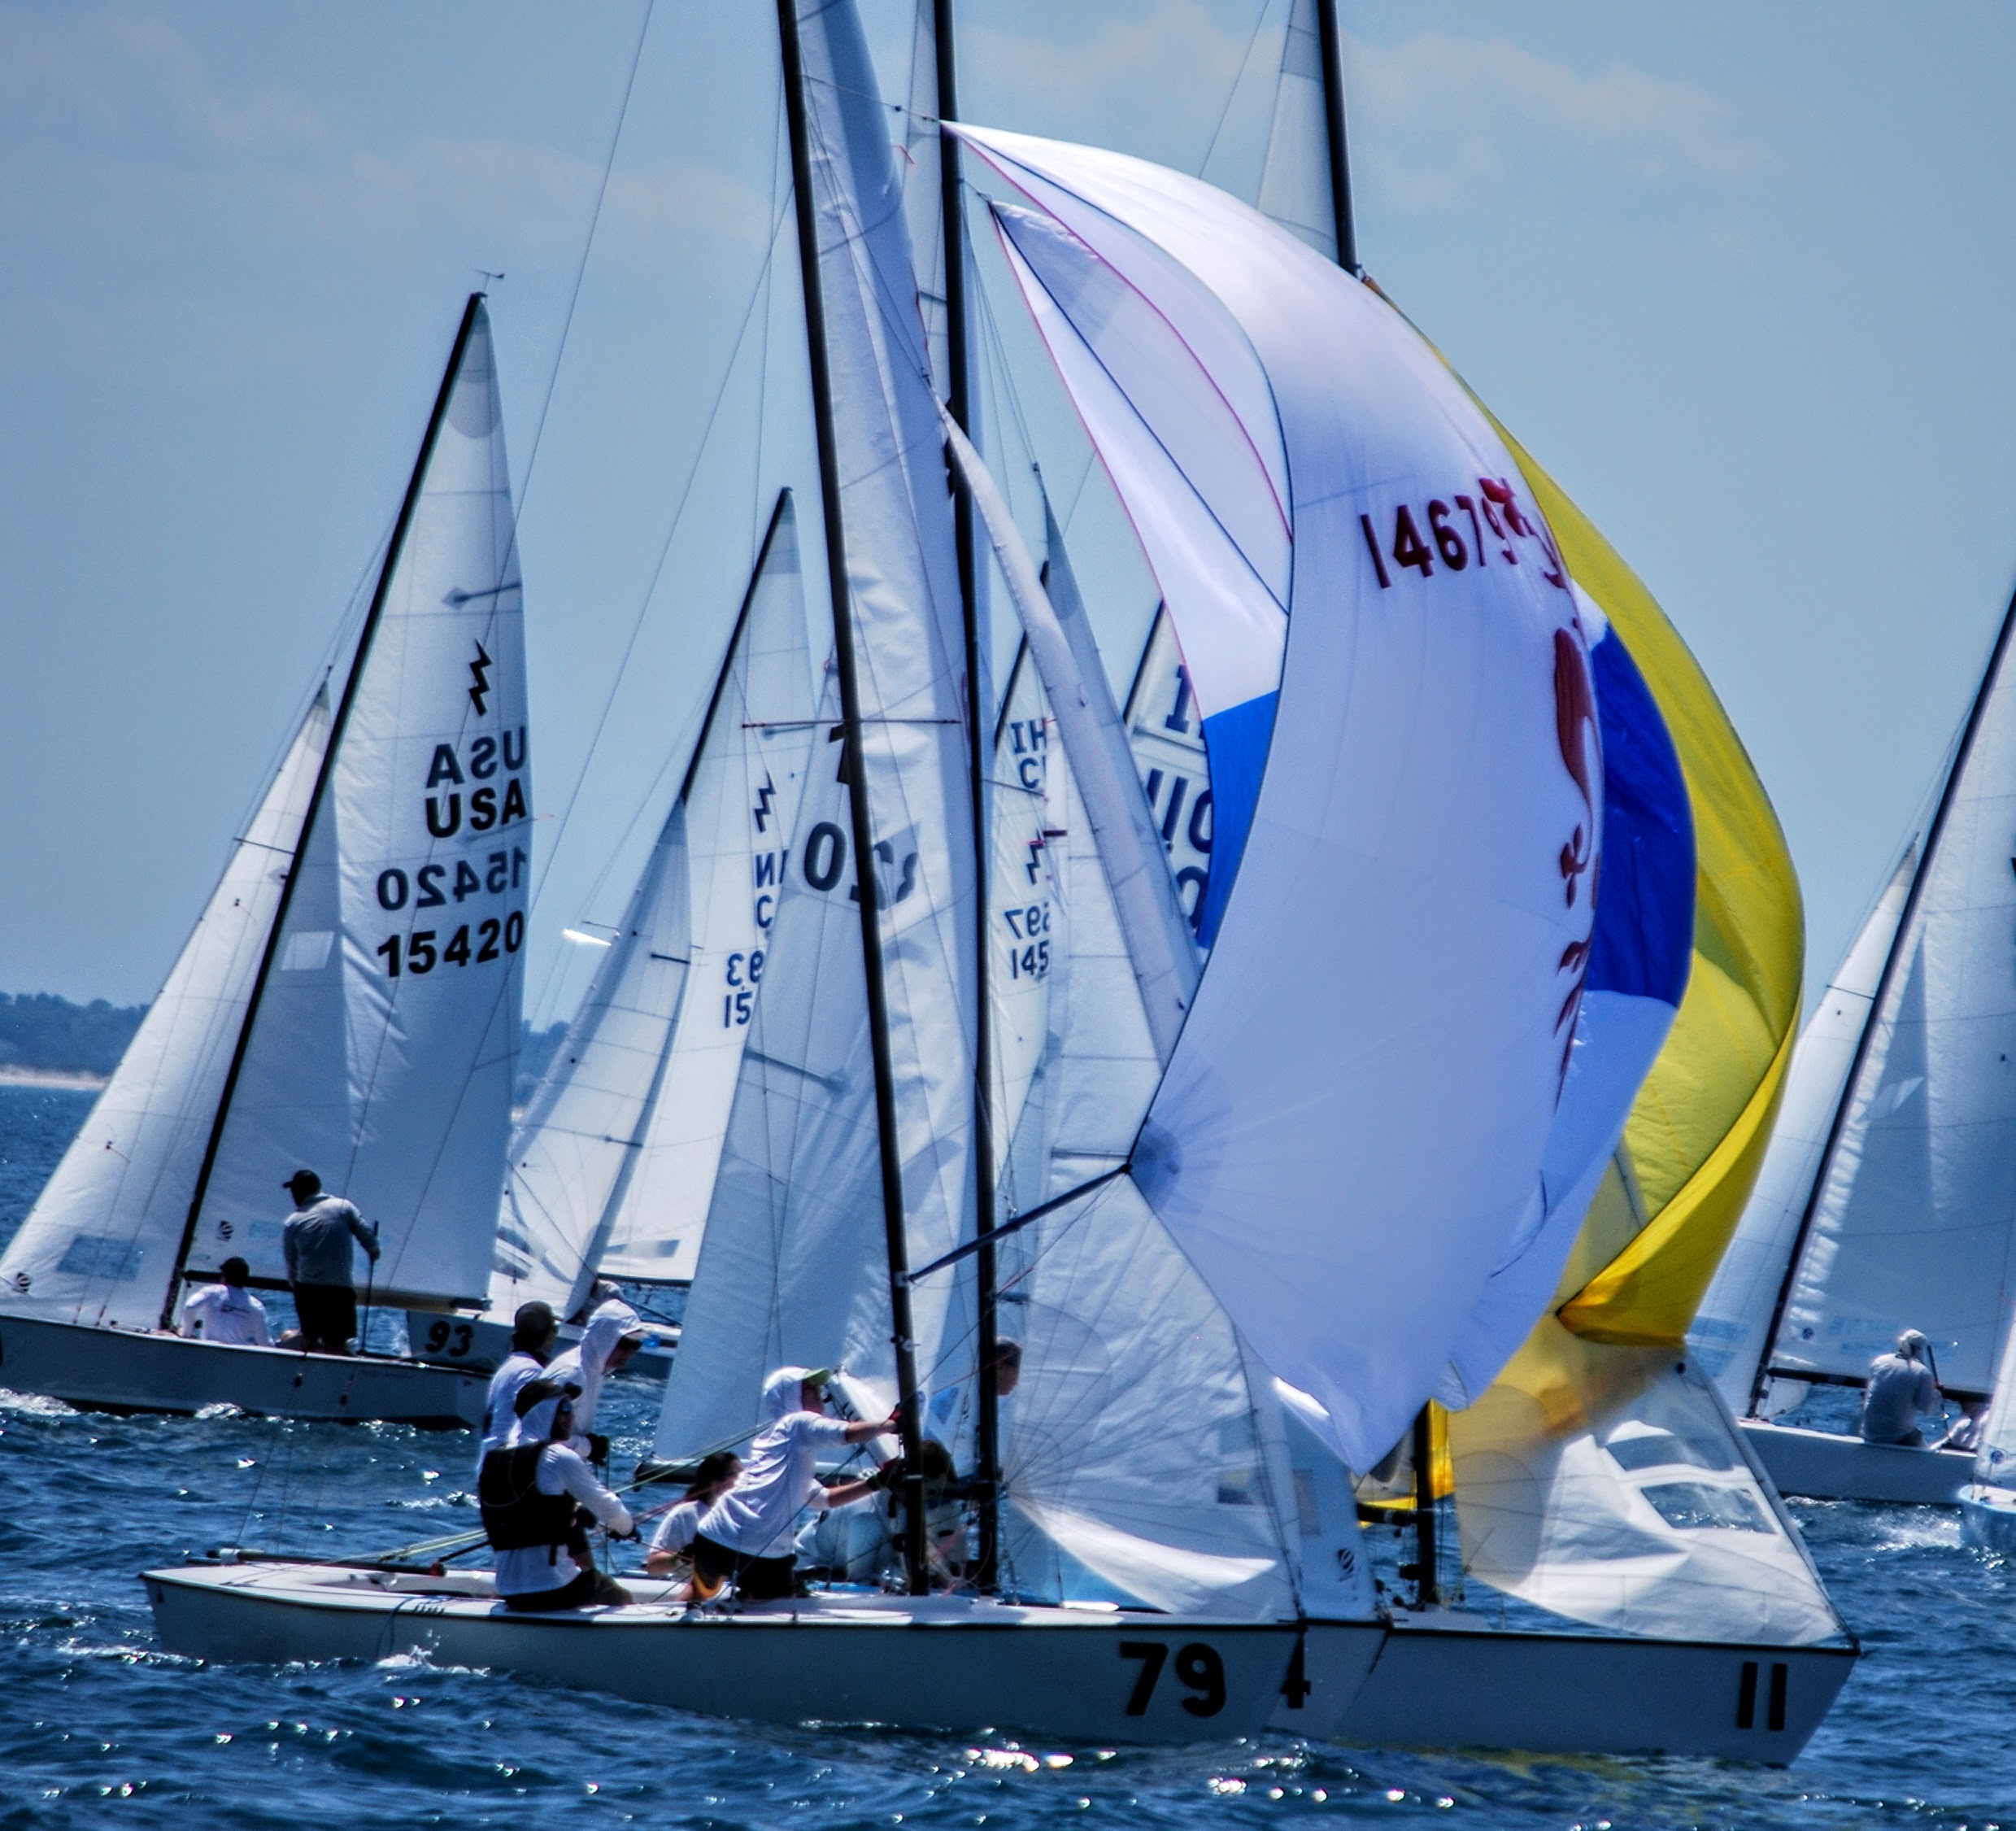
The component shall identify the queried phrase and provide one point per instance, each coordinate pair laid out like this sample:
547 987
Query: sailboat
611 1168
1569 1528
1460 867
1888 1201
349 1001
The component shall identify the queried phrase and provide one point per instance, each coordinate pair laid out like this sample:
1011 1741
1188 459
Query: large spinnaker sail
1600 1476
794 1267
613 1166
1912 1222
1348 1139
99 1244
1732 1330
382 1050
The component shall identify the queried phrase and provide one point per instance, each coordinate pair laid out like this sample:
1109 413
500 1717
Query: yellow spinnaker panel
1698 1130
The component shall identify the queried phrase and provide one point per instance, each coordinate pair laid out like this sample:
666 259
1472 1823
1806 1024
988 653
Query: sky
1737 275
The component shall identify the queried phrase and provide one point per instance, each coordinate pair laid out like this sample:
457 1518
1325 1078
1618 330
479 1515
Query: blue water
99 1727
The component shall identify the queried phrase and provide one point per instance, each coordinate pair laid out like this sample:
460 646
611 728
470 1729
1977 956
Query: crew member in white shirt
227 1312
714 1475
533 1331
747 1535
529 1495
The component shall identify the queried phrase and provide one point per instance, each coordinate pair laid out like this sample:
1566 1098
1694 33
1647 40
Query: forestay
1349 1136
99 1244
383 1050
613 1167
1730 1333
793 1266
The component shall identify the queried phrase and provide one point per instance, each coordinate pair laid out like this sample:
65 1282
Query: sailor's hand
892 1425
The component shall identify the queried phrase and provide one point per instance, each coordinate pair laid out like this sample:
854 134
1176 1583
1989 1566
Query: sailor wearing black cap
534 1332
321 1263
533 1496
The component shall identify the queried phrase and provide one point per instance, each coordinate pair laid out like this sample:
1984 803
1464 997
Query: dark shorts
590 1589
329 1317
756 1579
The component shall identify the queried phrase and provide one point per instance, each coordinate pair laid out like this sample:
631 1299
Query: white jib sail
1349 1136
99 1244
382 1052
1914 1223
794 1267
1651 1519
613 1167
1729 1334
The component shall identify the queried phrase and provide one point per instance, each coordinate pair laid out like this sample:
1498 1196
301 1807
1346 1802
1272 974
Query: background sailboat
1905 1214
612 1166
350 1001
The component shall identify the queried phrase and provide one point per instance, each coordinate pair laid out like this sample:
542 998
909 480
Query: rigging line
1238 79
588 243
664 551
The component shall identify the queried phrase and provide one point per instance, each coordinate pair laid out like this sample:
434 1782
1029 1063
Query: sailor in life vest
536 1497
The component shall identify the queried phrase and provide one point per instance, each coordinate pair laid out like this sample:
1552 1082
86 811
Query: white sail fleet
1357 1040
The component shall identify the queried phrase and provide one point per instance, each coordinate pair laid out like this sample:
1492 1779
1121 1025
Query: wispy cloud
1448 122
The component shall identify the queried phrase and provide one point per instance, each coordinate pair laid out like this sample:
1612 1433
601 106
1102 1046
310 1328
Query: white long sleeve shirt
757 1515
542 1568
223 1313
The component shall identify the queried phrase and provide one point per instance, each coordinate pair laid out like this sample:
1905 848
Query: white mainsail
1348 1139
612 1167
99 1245
1294 183
382 1050
794 1267
1731 1332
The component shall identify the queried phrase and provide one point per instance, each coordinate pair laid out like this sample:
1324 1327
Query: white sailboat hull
958 1663
1988 1519
122 1369
939 1663
1826 1465
1438 1685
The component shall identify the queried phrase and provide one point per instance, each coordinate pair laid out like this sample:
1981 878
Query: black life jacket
516 1516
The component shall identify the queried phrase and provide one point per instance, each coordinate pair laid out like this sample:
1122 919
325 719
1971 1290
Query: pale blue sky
1738 275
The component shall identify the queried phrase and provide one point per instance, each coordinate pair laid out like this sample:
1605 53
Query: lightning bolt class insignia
764 797
480 672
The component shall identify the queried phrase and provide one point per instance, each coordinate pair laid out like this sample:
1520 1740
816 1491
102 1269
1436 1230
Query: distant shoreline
75 1080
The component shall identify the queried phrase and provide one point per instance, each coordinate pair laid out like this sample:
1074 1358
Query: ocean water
99 1727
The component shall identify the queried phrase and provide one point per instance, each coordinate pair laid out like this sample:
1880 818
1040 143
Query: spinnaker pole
979 726
909 1424
373 616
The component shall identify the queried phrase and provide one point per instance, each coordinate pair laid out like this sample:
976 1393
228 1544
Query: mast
1338 146
1879 1003
908 1421
1426 1594
619 1191
394 548
987 1409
